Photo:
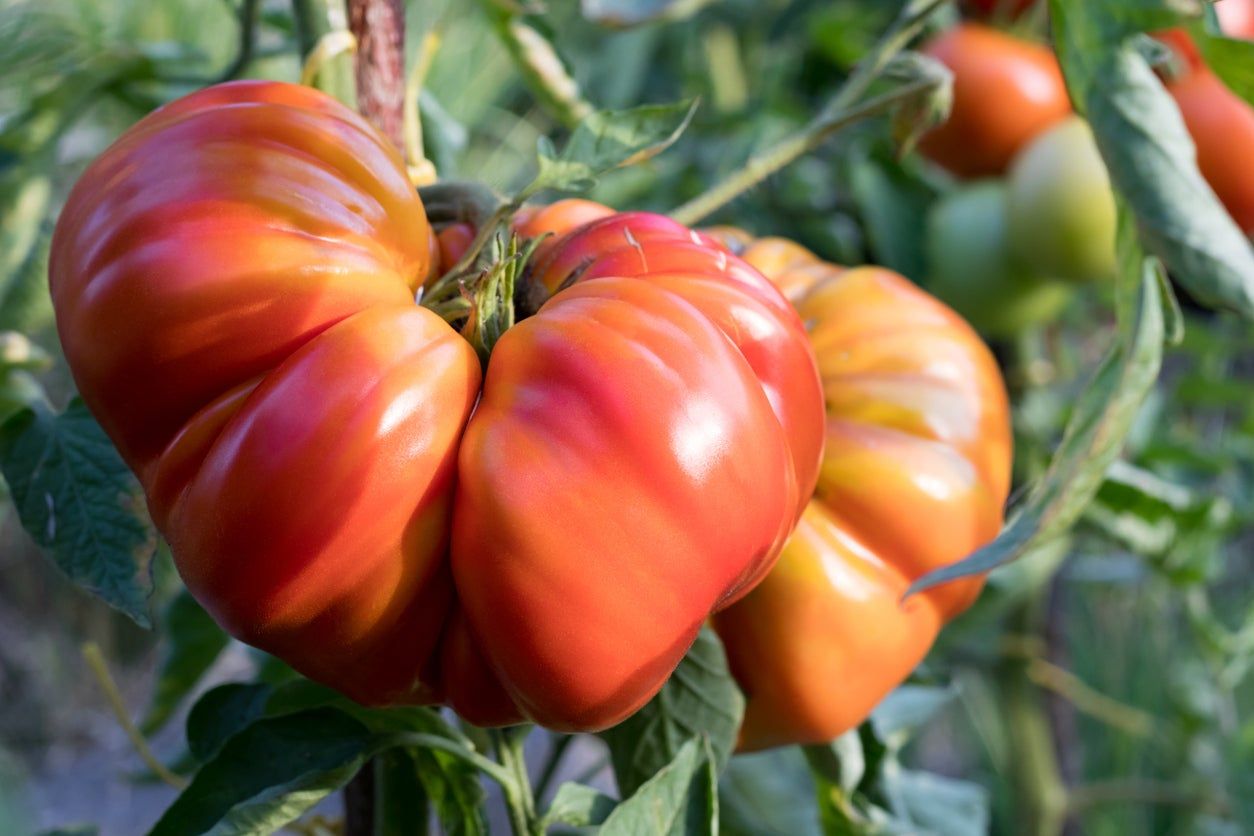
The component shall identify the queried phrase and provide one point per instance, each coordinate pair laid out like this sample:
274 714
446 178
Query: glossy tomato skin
971 268
915 472
613 376
1006 91
234 283
751 312
203 284
1060 206
1222 126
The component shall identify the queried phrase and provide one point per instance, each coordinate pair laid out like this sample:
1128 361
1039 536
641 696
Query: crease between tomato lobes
340 484
914 476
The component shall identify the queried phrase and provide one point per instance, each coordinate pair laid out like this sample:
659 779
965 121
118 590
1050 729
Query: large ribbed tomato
234 286
914 476
1006 91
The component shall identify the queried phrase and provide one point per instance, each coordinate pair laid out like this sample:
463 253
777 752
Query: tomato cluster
343 484
1038 214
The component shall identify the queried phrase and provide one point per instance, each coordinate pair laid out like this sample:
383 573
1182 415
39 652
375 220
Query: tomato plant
492 444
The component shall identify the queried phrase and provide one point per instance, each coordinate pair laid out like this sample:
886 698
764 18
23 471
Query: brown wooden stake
379 27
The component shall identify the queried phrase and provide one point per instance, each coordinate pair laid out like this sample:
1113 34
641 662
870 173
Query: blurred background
1110 671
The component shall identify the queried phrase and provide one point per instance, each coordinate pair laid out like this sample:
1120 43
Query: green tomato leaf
1230 59
222 712
270 773
77 499
621 14
680 799
1102 418
1162 519
578 806
193 641
1148 152
768 794
454 789
906 710
938 805
700 698
607 140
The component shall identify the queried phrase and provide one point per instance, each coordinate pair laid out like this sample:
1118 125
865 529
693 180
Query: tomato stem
522 803
540 65
839 113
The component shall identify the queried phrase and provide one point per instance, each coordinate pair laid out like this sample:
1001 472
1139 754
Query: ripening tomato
1222 126
341 486
914 475
971 269
1006 91
1060 205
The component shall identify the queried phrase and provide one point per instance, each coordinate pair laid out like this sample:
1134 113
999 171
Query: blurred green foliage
1102 683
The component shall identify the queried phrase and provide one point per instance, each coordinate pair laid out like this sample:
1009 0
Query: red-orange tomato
1006 91
234 286
914 477
1222 126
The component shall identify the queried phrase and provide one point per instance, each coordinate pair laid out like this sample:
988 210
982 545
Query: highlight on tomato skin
343 487
915 473
1005 92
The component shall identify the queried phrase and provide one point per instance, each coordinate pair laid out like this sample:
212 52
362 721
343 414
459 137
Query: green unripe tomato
1061 210
971 268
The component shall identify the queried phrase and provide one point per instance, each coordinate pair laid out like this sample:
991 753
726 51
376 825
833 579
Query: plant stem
379 27
540 65
837 114
788 151
95 661
321 48
522 806
549 771
359 802
1040 793
1144 792
247 40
